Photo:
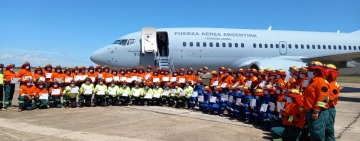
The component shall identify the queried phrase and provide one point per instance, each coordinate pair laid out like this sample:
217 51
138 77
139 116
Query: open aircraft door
148 38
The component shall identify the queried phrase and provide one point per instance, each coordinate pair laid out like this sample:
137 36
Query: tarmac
153 123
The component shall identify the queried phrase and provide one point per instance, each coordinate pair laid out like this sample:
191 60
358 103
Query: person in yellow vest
188 94
165 97
158 91
70 93
148 94
124 91
136 93
113 94
179 96
100 92
86 91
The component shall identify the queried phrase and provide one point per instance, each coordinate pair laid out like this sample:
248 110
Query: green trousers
288 133
317 128
330 131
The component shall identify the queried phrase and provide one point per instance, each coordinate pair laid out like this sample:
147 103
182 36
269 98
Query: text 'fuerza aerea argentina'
215 34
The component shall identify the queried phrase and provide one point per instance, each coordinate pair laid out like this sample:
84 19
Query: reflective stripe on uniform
290 119
321 104
277 139
301 108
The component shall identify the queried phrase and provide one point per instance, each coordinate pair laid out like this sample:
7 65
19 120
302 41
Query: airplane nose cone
98 56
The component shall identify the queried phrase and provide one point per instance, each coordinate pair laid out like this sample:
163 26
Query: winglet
338 31
269 28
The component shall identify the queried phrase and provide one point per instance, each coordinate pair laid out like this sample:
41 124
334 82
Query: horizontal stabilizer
356 31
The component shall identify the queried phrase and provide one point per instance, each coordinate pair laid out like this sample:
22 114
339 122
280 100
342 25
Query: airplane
231 48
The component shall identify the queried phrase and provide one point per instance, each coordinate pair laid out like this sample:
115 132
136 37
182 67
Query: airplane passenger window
313 46
242 45
282 45
334 46
223 44
354 47
204 44
197 44
117 42
296 46
230 45
329 46
359 48
191 44
339 47
324 46
184 44
344 47
302 46
289 46
123 42
236 45
131 41
254 45
308 46
266 46
260 45
349 47
277 45
271 46
217 44
211 44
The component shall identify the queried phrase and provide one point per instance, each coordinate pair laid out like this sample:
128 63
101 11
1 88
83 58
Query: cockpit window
123 42
131 41
117 42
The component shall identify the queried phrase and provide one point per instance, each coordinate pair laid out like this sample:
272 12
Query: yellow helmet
315 65
259 91
330 66
293 91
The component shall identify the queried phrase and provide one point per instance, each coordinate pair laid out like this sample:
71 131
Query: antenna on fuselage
338 31
269 27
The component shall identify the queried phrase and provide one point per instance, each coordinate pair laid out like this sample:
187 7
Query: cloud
41 58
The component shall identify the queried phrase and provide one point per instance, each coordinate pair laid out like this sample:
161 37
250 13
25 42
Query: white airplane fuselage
239 48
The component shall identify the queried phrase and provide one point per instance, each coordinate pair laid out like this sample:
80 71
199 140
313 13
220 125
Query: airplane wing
333 58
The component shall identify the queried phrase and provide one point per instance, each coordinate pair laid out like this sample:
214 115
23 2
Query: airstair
165 62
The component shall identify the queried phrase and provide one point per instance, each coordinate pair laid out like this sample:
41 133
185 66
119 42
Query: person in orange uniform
58 74
113 74
228 79
175 74
316 97
273 77
121 74
92 74
38 74
74 73
221 71
294 119
167 74
181 77
298 80
280 77
26 94
292 71
268 75
280 92
9 88
141 73
48 73
214 78
198 73
105 73
304 76
25 72
241 77
190 76
261 79
155 76
128 75
40 90
55 98
67 75
332 74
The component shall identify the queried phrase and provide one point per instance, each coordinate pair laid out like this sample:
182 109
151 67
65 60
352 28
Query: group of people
303 107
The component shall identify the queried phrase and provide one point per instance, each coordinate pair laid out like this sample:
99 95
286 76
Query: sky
66 32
